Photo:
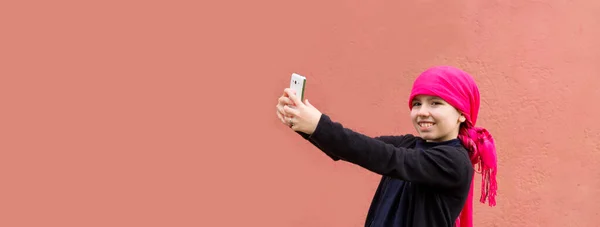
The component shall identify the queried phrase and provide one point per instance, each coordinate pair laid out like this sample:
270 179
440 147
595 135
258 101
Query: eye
416 104
436 103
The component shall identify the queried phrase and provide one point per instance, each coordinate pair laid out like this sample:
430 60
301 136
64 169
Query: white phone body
297 84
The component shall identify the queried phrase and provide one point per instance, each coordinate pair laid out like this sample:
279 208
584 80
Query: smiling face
435 119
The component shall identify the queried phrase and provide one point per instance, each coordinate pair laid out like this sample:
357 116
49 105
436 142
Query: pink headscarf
458 89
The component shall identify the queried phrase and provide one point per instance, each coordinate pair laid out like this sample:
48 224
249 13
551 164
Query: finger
281 117
287 90
289 111
281 111
297 102
285 101
291 123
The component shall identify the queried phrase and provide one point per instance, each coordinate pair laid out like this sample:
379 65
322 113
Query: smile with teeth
426 124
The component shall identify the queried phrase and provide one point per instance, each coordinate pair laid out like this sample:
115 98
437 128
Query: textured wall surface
162 113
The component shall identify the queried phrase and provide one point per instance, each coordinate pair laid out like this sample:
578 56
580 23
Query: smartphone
297 84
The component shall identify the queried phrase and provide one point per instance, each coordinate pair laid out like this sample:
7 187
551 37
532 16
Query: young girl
426 179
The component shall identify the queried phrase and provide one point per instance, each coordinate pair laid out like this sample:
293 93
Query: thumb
307 103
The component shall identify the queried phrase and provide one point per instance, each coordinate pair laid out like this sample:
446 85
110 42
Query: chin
429 137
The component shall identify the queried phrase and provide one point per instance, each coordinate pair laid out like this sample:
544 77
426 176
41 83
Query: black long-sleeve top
423 183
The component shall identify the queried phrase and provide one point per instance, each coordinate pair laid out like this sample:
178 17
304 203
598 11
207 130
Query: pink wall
134 113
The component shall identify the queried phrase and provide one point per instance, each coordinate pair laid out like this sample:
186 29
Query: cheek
445 117
413 115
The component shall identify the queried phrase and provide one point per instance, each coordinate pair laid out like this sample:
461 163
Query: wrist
315 124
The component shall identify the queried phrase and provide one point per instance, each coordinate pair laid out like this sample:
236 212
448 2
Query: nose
423 111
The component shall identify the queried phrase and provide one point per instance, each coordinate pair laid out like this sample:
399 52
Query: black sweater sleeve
307 137
441 166
402 141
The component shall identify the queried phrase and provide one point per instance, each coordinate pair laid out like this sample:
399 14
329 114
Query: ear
462 118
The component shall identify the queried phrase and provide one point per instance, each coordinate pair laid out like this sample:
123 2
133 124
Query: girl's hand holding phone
298 115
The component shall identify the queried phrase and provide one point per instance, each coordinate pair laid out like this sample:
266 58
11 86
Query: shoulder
458 154
453 160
